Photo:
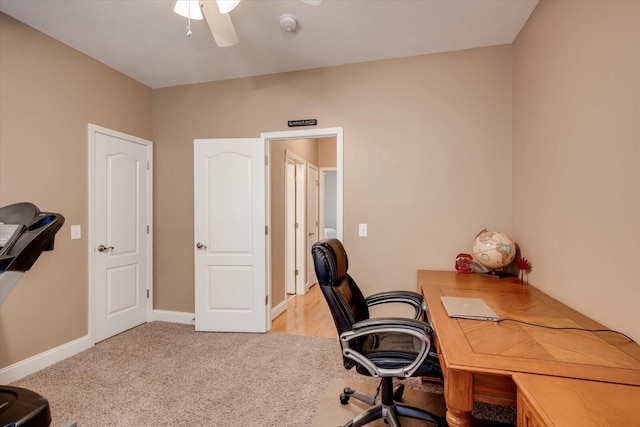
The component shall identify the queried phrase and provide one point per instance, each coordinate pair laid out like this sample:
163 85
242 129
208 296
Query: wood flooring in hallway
306 315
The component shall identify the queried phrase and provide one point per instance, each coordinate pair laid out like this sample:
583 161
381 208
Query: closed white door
229 229
121 249
312 218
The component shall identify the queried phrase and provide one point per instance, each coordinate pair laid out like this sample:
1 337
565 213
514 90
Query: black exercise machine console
25 233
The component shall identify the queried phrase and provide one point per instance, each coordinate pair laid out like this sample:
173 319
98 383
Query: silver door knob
103 248
201 245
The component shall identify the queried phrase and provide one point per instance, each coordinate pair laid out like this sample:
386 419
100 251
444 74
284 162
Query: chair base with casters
388 407
382 347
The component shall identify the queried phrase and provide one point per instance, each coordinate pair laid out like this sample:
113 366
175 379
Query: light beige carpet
164 374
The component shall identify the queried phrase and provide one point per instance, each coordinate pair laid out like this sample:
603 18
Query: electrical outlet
362 230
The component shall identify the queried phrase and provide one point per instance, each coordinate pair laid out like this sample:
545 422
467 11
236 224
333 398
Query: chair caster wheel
398 392
344 399
346 394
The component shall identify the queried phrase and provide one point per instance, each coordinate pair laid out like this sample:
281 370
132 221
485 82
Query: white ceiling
147 41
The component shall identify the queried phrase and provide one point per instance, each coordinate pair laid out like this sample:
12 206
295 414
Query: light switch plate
76 232
362 230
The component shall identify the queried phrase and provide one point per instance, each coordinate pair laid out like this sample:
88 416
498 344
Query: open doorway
316 148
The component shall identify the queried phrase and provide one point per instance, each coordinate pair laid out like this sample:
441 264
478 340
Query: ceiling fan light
226 6
188 9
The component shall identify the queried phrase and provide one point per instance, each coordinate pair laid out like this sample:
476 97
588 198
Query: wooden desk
574 402
479 358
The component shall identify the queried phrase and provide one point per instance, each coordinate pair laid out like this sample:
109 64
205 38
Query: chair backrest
346 302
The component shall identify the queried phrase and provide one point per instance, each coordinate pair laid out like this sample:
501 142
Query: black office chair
380 347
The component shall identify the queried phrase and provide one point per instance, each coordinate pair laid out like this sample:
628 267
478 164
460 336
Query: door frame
91 141
336 132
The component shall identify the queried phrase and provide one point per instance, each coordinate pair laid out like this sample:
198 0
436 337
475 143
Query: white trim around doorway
336 132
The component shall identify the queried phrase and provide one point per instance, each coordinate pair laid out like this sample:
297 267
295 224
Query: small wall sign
306 122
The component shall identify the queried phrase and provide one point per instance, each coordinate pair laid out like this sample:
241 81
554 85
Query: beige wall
576 156
327 153
48 94
427 153
427 149
427 157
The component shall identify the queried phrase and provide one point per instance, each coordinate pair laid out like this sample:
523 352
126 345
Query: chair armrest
412 327
414 299
386 321
402 322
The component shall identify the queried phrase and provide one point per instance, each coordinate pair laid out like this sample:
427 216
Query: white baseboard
172 317
40 361
278 309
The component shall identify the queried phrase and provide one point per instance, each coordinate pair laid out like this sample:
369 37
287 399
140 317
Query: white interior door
119 236
295 224
313 186
290 227
229 192
301 229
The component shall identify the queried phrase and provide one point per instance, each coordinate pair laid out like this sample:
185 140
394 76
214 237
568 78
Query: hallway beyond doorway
306 314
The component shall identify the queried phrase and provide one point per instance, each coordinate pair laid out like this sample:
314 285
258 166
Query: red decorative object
525 266
463 263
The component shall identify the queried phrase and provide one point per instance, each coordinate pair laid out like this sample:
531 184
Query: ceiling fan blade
220 25
312 2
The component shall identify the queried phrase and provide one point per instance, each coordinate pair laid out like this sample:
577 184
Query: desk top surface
509 347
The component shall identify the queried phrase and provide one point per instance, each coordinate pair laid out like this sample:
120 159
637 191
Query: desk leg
458 394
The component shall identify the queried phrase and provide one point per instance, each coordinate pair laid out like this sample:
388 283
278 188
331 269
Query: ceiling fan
216 13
